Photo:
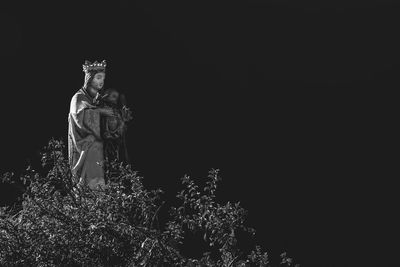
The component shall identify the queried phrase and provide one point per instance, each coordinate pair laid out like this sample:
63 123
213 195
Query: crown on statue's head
95 66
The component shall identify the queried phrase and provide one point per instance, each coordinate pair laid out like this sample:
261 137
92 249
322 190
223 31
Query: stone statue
113 129
85 141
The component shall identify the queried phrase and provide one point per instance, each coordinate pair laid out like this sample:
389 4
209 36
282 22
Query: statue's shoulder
80 96
79 102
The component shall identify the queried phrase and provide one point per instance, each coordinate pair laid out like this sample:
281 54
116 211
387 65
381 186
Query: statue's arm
85 115
91 121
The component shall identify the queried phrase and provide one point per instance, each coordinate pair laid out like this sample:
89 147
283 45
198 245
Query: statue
85 142
113 129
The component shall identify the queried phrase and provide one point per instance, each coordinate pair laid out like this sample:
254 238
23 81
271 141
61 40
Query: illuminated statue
85 142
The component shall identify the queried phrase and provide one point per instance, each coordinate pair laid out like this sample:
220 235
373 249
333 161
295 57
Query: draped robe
85 145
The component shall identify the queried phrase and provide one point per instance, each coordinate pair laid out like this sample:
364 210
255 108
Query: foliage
60 224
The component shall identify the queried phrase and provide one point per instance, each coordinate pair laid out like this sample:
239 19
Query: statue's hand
107 135
107 112
126 114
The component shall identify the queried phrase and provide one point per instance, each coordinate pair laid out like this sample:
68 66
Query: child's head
111 96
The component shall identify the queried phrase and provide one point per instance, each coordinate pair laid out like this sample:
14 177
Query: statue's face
113 97
98 81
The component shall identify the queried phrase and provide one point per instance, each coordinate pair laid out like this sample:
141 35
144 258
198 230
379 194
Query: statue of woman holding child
97 127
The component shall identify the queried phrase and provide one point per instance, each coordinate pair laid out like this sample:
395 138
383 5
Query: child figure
113 128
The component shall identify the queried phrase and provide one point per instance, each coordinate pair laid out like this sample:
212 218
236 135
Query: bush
55 223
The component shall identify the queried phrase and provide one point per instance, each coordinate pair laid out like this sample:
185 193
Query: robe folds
85 145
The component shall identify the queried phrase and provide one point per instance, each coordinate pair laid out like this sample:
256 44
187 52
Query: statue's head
95 74
112 96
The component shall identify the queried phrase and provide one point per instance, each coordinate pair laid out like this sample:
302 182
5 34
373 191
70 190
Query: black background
290 100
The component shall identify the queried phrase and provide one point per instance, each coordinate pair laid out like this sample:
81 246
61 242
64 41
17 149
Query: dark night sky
290 101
